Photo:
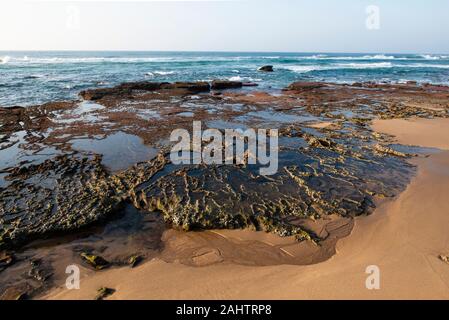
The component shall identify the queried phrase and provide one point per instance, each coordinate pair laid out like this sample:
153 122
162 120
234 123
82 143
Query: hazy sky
415 26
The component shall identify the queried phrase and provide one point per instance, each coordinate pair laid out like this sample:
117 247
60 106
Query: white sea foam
244 79
310 68
193 59
4 60
365 57
304 69
164 73
174 59
59 60
236 78
374 65
433 57
379 57
425 65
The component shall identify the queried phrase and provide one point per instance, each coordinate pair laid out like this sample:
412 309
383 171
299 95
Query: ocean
29 78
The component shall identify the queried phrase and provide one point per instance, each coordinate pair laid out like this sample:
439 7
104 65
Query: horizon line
220 51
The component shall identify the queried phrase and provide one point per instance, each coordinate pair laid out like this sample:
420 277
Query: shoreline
334 168
397 237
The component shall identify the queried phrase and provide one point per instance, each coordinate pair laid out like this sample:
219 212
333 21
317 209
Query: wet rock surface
52 184
226 84
266 68
104 293
127 89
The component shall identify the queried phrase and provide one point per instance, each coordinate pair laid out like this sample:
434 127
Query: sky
403 26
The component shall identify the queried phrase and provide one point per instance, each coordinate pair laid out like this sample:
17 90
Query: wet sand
403 237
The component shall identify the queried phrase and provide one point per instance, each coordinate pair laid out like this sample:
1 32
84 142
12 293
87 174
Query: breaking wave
4 60
310 68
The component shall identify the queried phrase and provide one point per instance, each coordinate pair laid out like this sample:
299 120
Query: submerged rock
57 195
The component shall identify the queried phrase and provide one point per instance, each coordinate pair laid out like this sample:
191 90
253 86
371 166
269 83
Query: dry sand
421 132
403 238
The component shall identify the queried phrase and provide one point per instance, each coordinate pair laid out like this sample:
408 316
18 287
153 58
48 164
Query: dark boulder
266 68
226 84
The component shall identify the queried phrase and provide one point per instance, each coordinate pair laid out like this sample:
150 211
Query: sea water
28 78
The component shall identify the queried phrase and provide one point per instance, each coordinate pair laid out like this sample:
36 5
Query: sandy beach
193 154
358 186
403 237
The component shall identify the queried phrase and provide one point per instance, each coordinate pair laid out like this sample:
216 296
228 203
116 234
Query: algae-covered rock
104 292
95 261
389 151
134 260
39 271
60 194
6 259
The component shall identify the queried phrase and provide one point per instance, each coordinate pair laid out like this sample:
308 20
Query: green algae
104 292
95 261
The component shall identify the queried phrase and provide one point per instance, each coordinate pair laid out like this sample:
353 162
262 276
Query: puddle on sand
120 150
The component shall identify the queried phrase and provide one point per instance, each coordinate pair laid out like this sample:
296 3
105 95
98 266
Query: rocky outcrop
266 68
120 90
226 84
126 89
302 86
190 87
